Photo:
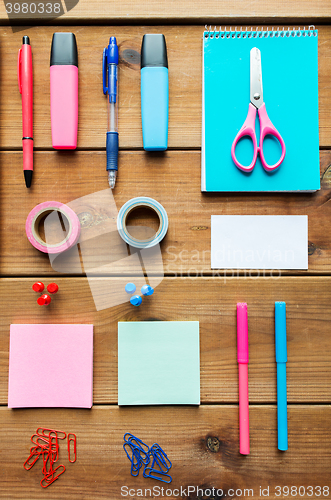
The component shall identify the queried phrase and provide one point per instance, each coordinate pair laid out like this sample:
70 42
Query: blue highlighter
281 359
154 92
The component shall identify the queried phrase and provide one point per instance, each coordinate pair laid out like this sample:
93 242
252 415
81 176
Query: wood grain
189 11
212 302
202 444
185 70
68 176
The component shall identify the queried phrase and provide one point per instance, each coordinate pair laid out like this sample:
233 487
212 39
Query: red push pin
44 300
38 286
52 288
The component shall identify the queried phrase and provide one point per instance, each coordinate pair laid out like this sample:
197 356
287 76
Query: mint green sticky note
158 363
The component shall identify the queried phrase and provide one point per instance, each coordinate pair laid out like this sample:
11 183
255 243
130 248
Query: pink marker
64 91
242 354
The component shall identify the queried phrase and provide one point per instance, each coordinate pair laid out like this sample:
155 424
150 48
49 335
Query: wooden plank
185 70
201 443
210 301
67 176
185 11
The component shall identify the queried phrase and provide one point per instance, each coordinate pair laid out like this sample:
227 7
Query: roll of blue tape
141 202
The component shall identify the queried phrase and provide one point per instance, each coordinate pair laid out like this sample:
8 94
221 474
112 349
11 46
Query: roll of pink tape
41 211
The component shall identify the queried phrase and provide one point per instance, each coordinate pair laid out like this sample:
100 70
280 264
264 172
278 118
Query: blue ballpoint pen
281 359
109 67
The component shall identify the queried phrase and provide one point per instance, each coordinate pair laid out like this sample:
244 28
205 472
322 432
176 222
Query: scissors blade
256 90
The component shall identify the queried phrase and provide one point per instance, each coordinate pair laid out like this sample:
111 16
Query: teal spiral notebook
290 91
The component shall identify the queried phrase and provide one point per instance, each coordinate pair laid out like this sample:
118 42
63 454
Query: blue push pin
147 290
130 288
136 300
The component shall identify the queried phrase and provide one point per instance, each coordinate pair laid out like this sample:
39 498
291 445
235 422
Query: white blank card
259 242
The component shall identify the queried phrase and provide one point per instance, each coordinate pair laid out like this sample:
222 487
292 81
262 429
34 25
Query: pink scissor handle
248 129
267 128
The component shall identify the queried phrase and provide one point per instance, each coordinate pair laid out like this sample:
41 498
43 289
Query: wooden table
202 442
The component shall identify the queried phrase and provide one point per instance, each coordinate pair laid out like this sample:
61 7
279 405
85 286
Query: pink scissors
266 127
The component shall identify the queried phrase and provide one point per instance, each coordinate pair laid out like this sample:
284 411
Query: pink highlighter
242 354
64 91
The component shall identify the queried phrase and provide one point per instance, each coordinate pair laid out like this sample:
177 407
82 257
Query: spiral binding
209 33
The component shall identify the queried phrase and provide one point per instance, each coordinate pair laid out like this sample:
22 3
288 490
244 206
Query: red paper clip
49 480
35 455
49 432
74 439
35 440
46 443
47 459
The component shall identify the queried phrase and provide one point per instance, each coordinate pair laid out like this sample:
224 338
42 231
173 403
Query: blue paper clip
161 462
141 454
127 434
135 460
162 474
161 457
138 441
138 444
135 468
137 455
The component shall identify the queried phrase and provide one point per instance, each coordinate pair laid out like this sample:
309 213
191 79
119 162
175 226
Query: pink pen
64 91
25 85
242 354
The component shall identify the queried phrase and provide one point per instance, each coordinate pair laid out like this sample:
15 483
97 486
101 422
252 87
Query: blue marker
281 359
109 73
154 92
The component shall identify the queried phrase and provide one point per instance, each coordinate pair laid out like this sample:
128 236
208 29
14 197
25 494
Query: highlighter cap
280 332
154 51
64 50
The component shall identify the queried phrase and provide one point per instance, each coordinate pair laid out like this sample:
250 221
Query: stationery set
259 134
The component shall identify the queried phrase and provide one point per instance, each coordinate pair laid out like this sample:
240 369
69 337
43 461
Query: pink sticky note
51 366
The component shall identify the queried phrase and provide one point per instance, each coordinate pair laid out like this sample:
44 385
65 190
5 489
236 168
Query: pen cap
112 51
64 91
280 332
154 92
109 70
242 333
